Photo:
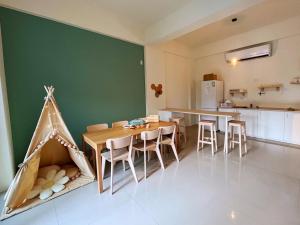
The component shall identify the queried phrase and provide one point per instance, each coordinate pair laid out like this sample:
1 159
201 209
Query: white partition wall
6 155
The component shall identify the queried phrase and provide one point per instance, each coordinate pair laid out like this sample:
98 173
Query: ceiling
268 12
143 12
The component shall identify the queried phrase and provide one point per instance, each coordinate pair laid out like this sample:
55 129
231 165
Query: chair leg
132 169
111 176
216 141
240 141
162 149
103 166
145 166
212 141
159 158
199 135
245 138
175 152
184 135
124 165
202 137
230 137
233 140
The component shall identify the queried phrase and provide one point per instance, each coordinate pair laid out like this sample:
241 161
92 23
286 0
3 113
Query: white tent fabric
51 144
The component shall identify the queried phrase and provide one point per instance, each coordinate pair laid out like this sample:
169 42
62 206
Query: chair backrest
118 143
150 135
96 127
119 123
168 130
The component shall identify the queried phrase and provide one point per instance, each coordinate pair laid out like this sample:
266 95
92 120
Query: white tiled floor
262 188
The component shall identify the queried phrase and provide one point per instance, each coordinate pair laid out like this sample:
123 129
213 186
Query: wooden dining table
97 140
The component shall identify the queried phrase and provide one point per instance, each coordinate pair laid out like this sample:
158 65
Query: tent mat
79 182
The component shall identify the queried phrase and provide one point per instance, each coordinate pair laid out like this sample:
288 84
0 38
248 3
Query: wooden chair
181 127
119 123
118 152
212 140
241 128
167 137
151 142
95 128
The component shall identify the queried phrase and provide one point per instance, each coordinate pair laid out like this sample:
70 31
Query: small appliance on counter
227 104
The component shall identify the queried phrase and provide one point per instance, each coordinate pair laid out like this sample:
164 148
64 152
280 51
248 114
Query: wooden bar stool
241 130
212 140
181 127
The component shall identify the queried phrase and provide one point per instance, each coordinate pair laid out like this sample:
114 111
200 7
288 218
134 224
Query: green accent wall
97 78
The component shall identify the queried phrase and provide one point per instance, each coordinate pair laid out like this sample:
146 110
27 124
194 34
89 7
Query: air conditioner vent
250 52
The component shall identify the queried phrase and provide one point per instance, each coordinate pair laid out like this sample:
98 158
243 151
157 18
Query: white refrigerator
211 95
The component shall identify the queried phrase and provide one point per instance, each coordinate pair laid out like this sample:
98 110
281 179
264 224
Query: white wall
280 68
6 156
81 13
192 16
169 64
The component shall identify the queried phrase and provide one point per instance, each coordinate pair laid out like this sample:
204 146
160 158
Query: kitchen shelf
265 87
233 92
296 80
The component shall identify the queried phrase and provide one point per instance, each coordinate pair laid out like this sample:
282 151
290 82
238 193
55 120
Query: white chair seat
118 154
166 140
150 145
207 122
236 123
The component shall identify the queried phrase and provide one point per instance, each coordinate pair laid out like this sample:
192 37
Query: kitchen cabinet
292 127
271 125
250 116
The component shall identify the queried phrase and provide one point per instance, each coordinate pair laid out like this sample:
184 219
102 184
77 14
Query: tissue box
152 118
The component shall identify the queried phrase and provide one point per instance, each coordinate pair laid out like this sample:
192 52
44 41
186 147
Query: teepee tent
51 144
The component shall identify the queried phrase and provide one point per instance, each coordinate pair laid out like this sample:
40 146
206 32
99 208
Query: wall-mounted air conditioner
250 52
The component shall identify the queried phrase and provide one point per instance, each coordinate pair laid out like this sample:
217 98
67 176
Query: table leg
177 137
99 169
226 136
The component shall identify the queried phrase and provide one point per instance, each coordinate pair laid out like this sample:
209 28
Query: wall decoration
157 89
296 80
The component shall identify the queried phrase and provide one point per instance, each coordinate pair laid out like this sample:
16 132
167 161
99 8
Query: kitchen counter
275 124
264 108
